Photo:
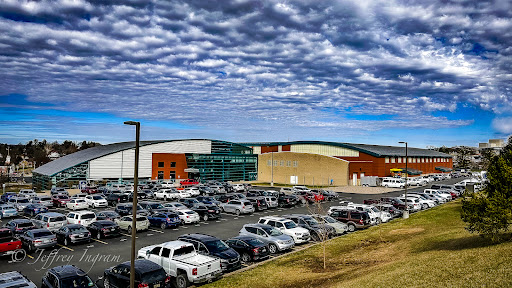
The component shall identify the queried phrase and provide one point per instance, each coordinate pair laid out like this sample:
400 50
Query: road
95 257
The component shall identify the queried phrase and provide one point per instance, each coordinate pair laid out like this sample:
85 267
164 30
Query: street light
406 211
134 207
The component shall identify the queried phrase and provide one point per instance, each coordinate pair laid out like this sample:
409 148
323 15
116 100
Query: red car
90 190
188 182
60 200
8 243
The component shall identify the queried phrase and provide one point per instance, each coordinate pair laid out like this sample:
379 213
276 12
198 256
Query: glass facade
224 167
68 177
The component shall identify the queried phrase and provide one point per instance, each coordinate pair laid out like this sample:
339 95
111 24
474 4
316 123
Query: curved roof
374 150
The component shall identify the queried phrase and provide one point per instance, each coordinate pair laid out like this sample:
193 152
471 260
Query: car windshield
157 206
111 214
329 219
77 229
8 208
311 222
58 219
254 242
190 212
89 216
153 276
180 205
97 197
78 281
216 246
25 224
374 209
45 198
141 219
62 197
23 201
272 231
42 234
290 224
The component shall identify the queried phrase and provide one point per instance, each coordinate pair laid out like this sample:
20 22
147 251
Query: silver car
19 202
15 279
43 200
339 227
238 207
38 239
276 239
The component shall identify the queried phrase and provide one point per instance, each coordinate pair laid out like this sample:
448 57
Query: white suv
393 183
81 217
288 227
301 189
167 194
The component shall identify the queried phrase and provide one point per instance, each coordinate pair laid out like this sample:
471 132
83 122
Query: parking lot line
30 256
185 227
129 235
218 221
65 247
197 225
156 230
223 219
176 229
205 223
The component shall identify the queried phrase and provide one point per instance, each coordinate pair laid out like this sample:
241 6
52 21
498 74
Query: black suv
124 209
286 200
259 203
147 274
213 246
317 230
114 198
355 219
66 276
206 211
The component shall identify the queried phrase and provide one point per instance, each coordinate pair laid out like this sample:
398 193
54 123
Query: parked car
79 196
77 204
107 215
271 201
212 246
43 200
147 275
59 190
124 209
34 209
194 191
38 239
90 190
164 220
19 202
189 202
353 218
28 193
8 243
51 220
19 226
237 207
239 187
67 276
152 207
286 200
276 239
338 226
81 217
208 200
125 223
60 200
288 227
115 198
181 261
73 233
258 203
175 206
250 248
15 279
7 211
187 216
96 201
318 231
393 183
104 229
141 195
206 212
7 195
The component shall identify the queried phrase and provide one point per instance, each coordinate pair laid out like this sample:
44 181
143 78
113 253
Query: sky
431 73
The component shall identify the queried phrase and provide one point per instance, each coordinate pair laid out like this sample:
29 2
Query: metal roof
374 150
68 161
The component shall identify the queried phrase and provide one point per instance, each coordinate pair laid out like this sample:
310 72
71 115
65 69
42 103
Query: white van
393 183
81 217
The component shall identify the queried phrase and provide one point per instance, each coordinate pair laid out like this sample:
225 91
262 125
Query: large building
165 159
333 163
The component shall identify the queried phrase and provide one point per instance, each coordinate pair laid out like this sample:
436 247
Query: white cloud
503 125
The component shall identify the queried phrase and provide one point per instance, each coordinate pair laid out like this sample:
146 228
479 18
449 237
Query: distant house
53 155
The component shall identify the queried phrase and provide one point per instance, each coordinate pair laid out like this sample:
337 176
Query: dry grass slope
431 249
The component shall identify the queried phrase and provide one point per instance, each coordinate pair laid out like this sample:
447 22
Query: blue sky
375 72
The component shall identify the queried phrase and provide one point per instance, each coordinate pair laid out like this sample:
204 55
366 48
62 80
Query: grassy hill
430 249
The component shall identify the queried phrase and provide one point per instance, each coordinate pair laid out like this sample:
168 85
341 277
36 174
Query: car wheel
165 198
66 241
106 282
272 248
163 226
129 230
98 235
351 227
315 237
181 281
245 258
237 212
205 218
281 205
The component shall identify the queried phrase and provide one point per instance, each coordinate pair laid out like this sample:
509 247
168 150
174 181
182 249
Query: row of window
172 175
415 160
162 164
282 163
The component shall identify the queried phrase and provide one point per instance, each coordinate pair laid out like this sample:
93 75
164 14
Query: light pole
272 168
406 211
134 207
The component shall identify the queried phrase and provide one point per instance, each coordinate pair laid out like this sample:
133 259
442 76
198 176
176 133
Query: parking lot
98 255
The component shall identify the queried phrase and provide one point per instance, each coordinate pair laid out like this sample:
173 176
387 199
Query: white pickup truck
181 261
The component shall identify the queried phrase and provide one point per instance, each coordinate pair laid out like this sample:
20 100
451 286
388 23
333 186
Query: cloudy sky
427 72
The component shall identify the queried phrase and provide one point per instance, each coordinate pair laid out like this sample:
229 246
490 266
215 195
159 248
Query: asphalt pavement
99 255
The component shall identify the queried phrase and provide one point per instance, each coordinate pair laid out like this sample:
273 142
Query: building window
295 163
409 159
269 162
386 160
399 159
422 160
172 175
161 164
281 163
276 163
414 160
160 175
393 159
173 164
288 163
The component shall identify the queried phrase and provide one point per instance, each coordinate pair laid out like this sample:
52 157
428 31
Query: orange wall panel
167 158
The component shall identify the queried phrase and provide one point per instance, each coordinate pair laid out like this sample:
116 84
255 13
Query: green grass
430 249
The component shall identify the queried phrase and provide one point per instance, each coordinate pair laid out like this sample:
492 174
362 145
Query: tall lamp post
134 208
406 211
